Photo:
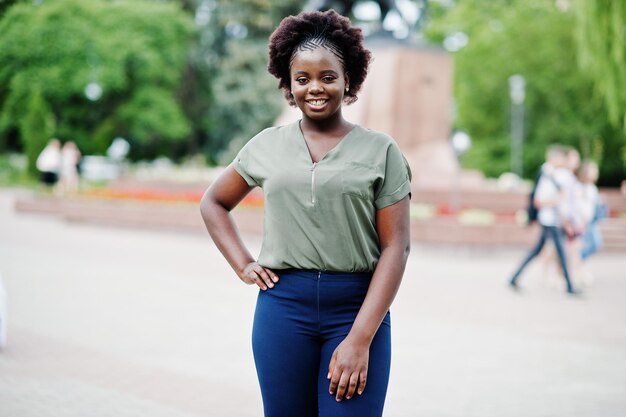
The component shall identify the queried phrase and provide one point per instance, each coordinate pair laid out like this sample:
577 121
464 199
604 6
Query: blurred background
114 302
187 80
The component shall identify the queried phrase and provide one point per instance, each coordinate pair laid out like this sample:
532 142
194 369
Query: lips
318 102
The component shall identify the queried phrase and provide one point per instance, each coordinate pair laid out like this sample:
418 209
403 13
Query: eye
329 79
301 80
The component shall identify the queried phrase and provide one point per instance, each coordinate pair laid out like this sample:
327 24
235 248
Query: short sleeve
396 183
243 164
545 189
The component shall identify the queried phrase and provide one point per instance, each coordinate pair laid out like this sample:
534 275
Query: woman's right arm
219 199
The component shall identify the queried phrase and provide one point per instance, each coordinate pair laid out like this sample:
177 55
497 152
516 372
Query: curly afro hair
312 29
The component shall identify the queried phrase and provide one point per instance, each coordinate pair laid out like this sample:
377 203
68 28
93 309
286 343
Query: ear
346 76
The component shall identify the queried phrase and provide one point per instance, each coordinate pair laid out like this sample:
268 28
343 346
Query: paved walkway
120 322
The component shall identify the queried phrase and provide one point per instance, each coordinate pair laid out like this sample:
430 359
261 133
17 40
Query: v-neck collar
332 150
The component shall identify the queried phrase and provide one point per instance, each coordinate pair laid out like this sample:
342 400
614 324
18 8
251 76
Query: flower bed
149 195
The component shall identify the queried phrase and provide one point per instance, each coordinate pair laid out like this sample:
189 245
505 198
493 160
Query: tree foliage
134 50
171 87
602 43
5 4
244 97
36 128
536 40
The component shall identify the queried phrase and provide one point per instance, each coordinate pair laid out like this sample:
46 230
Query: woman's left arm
347 370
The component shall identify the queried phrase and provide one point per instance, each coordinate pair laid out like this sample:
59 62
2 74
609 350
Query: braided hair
310 30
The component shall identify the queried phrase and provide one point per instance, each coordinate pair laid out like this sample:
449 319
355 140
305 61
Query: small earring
347 89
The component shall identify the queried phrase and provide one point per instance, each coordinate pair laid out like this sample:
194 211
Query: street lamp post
461 143
517 91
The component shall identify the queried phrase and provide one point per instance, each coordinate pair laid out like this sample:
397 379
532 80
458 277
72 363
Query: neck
332 123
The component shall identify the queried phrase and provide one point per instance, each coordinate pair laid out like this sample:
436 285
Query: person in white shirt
549 196
49 162
572 222
570 209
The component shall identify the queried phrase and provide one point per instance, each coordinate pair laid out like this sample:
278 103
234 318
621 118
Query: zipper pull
313 183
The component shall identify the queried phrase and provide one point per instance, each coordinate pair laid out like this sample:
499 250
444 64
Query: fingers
331 366
334 382
272 275
263 277
352 384
345 381
344 384
362 381
264 280
341 383
333 374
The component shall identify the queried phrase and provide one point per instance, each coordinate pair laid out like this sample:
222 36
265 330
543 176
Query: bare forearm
223 230
381 293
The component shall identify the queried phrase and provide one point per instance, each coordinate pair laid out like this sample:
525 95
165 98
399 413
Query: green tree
243 97
36 128
227 94
602 44
5 4
535 39
135 51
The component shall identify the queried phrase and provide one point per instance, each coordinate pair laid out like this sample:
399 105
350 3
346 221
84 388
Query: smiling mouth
317 102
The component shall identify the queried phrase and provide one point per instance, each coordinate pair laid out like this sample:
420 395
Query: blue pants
592 241
556 235
297 326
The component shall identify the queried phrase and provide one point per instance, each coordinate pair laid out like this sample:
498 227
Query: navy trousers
557 236
297 326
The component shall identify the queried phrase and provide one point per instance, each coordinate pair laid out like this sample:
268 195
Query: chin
319 115
316 116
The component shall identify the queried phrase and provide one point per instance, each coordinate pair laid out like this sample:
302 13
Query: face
318 83
573 160
557 159
591 174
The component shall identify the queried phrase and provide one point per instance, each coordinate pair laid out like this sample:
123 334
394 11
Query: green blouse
322 215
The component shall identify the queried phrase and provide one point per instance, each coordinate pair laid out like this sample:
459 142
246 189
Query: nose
316 87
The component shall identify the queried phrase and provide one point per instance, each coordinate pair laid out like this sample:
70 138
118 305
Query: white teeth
317 102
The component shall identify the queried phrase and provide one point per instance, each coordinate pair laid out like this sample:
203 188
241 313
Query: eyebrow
328 71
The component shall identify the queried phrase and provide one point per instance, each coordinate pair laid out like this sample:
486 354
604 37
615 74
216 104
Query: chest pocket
358 180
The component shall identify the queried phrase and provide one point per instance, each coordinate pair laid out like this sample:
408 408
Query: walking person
570 209
70 158
49 163
336 232
572 221
594 209
548 198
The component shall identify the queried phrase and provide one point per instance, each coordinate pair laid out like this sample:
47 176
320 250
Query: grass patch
13 172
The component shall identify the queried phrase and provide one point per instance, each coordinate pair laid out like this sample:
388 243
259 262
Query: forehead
316 59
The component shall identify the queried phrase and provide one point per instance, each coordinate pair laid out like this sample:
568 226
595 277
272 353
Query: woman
593 208
70 159
336 232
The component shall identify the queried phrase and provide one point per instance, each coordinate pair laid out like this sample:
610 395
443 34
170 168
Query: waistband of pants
328 275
